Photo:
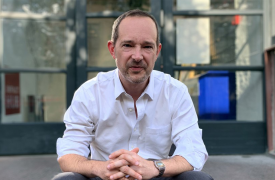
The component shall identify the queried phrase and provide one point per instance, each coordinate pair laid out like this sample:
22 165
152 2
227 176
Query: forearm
175 166
80 164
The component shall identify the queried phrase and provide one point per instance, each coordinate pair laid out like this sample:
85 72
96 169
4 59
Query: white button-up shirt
102 119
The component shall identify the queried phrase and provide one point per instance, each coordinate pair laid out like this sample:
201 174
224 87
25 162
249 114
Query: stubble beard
132 77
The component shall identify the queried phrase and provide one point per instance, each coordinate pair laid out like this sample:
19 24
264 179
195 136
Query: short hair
132 13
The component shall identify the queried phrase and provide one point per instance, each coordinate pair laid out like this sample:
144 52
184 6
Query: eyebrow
145 42
149 43
127 41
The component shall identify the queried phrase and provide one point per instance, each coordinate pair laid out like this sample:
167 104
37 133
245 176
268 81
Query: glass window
43 7
225 95
99 32
117 5
32 43
217 4
219 40
92 75
33 97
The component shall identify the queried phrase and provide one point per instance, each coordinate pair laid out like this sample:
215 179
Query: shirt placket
135 136
131 118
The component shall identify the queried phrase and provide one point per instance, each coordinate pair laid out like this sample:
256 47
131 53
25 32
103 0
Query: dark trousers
188 175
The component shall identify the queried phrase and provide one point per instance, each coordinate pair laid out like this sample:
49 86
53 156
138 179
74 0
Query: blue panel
217 95
216 88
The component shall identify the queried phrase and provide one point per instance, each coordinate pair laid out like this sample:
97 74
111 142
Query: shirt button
130 109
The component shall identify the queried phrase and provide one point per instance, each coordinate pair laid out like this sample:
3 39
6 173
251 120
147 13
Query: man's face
135 51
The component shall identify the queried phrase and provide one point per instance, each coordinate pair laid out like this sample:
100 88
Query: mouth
136 68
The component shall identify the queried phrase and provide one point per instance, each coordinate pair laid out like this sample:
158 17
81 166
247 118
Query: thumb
135 150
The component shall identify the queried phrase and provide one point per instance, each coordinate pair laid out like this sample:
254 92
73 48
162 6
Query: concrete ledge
226 167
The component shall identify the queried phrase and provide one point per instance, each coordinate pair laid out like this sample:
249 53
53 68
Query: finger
131 178
130 156
123 160
117 175
131 159
117 164
123 151
123 178
129 171
135 150
118 153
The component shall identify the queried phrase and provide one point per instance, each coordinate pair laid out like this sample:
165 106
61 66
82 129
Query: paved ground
255 167
44 167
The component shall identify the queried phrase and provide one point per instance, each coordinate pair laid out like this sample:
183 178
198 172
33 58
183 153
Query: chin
138 80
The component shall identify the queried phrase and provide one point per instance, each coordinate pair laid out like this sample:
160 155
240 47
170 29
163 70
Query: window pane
32 44
224 95
217 4
92 75
43 7
219 40
29 97
99 32
117 5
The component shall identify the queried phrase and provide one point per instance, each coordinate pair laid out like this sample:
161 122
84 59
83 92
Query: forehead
137 27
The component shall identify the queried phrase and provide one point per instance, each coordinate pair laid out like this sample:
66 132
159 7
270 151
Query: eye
148 47
126 45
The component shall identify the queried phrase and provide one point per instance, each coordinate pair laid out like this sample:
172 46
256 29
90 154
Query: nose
137 54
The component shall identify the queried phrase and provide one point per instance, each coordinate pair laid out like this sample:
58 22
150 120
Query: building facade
216 47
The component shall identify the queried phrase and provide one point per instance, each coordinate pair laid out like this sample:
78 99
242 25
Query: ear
111 48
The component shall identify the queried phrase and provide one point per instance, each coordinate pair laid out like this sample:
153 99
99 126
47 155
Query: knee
194 175
69 176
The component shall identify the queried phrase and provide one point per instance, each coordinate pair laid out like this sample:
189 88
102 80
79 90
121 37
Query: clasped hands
124 164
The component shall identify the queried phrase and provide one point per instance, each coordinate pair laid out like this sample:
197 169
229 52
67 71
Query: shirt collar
149 90
118 86
119 89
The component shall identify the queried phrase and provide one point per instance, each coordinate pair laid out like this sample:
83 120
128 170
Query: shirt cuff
65 146
195 162
192 148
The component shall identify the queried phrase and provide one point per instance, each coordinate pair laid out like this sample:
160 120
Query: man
127 119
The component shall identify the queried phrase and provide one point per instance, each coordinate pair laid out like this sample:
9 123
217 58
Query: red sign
12 93
236 20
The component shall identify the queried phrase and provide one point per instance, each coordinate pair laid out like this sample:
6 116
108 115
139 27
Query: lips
136 68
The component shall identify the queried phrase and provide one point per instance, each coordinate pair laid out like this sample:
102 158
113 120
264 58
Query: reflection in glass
33 44
237 4
234 40
43 7
99 32
117 5
217 4
29 97
195 42
225 95
91 75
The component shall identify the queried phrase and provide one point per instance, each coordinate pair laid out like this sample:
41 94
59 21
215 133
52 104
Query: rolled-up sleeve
79 127
186 134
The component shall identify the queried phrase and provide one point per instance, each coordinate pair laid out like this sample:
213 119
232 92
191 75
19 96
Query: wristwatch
160 166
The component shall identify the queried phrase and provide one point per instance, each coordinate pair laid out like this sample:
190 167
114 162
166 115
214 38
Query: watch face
160 164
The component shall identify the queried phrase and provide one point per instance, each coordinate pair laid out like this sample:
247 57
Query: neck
136 90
